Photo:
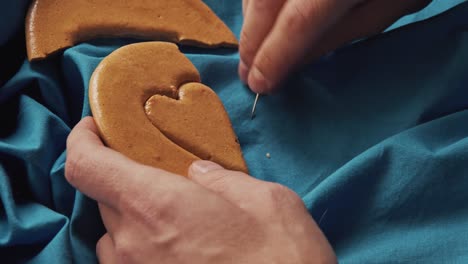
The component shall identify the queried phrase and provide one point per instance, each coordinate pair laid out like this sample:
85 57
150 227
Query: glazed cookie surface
149 104
52 25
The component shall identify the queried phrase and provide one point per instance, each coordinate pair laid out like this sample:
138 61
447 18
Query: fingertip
258 82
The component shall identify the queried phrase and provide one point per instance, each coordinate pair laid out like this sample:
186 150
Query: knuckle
279 196
145 203
71 139
131 196
166 203
275 192
73 165
150 211
294 200
216 182
219 181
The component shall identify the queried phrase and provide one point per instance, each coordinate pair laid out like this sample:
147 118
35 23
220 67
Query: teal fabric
373 137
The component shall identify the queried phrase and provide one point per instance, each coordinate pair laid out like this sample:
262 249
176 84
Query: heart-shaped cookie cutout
52 25
196 121
149 104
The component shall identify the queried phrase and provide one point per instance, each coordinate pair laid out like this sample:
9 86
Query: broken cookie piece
52 25
149 104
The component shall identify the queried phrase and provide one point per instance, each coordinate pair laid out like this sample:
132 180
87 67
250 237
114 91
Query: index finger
300 24
259 19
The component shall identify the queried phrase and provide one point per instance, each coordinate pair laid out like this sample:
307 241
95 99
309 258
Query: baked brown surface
149 105
52 25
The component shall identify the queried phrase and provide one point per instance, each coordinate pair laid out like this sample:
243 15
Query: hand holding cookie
279 35
215 216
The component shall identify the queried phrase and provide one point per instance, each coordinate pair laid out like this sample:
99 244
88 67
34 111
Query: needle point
252 115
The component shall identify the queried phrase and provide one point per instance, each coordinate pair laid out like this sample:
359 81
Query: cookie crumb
268 155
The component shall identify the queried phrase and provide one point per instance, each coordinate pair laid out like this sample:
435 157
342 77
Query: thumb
234 186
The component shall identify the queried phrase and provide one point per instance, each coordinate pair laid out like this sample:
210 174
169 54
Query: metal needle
252 115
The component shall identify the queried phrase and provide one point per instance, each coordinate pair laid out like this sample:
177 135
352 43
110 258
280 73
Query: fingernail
243 71
202 167
257 81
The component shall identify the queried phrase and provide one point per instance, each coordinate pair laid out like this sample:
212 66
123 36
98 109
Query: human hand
280 35
216 216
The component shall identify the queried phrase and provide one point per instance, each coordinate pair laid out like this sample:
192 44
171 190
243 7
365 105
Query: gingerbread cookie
149 104
52 25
